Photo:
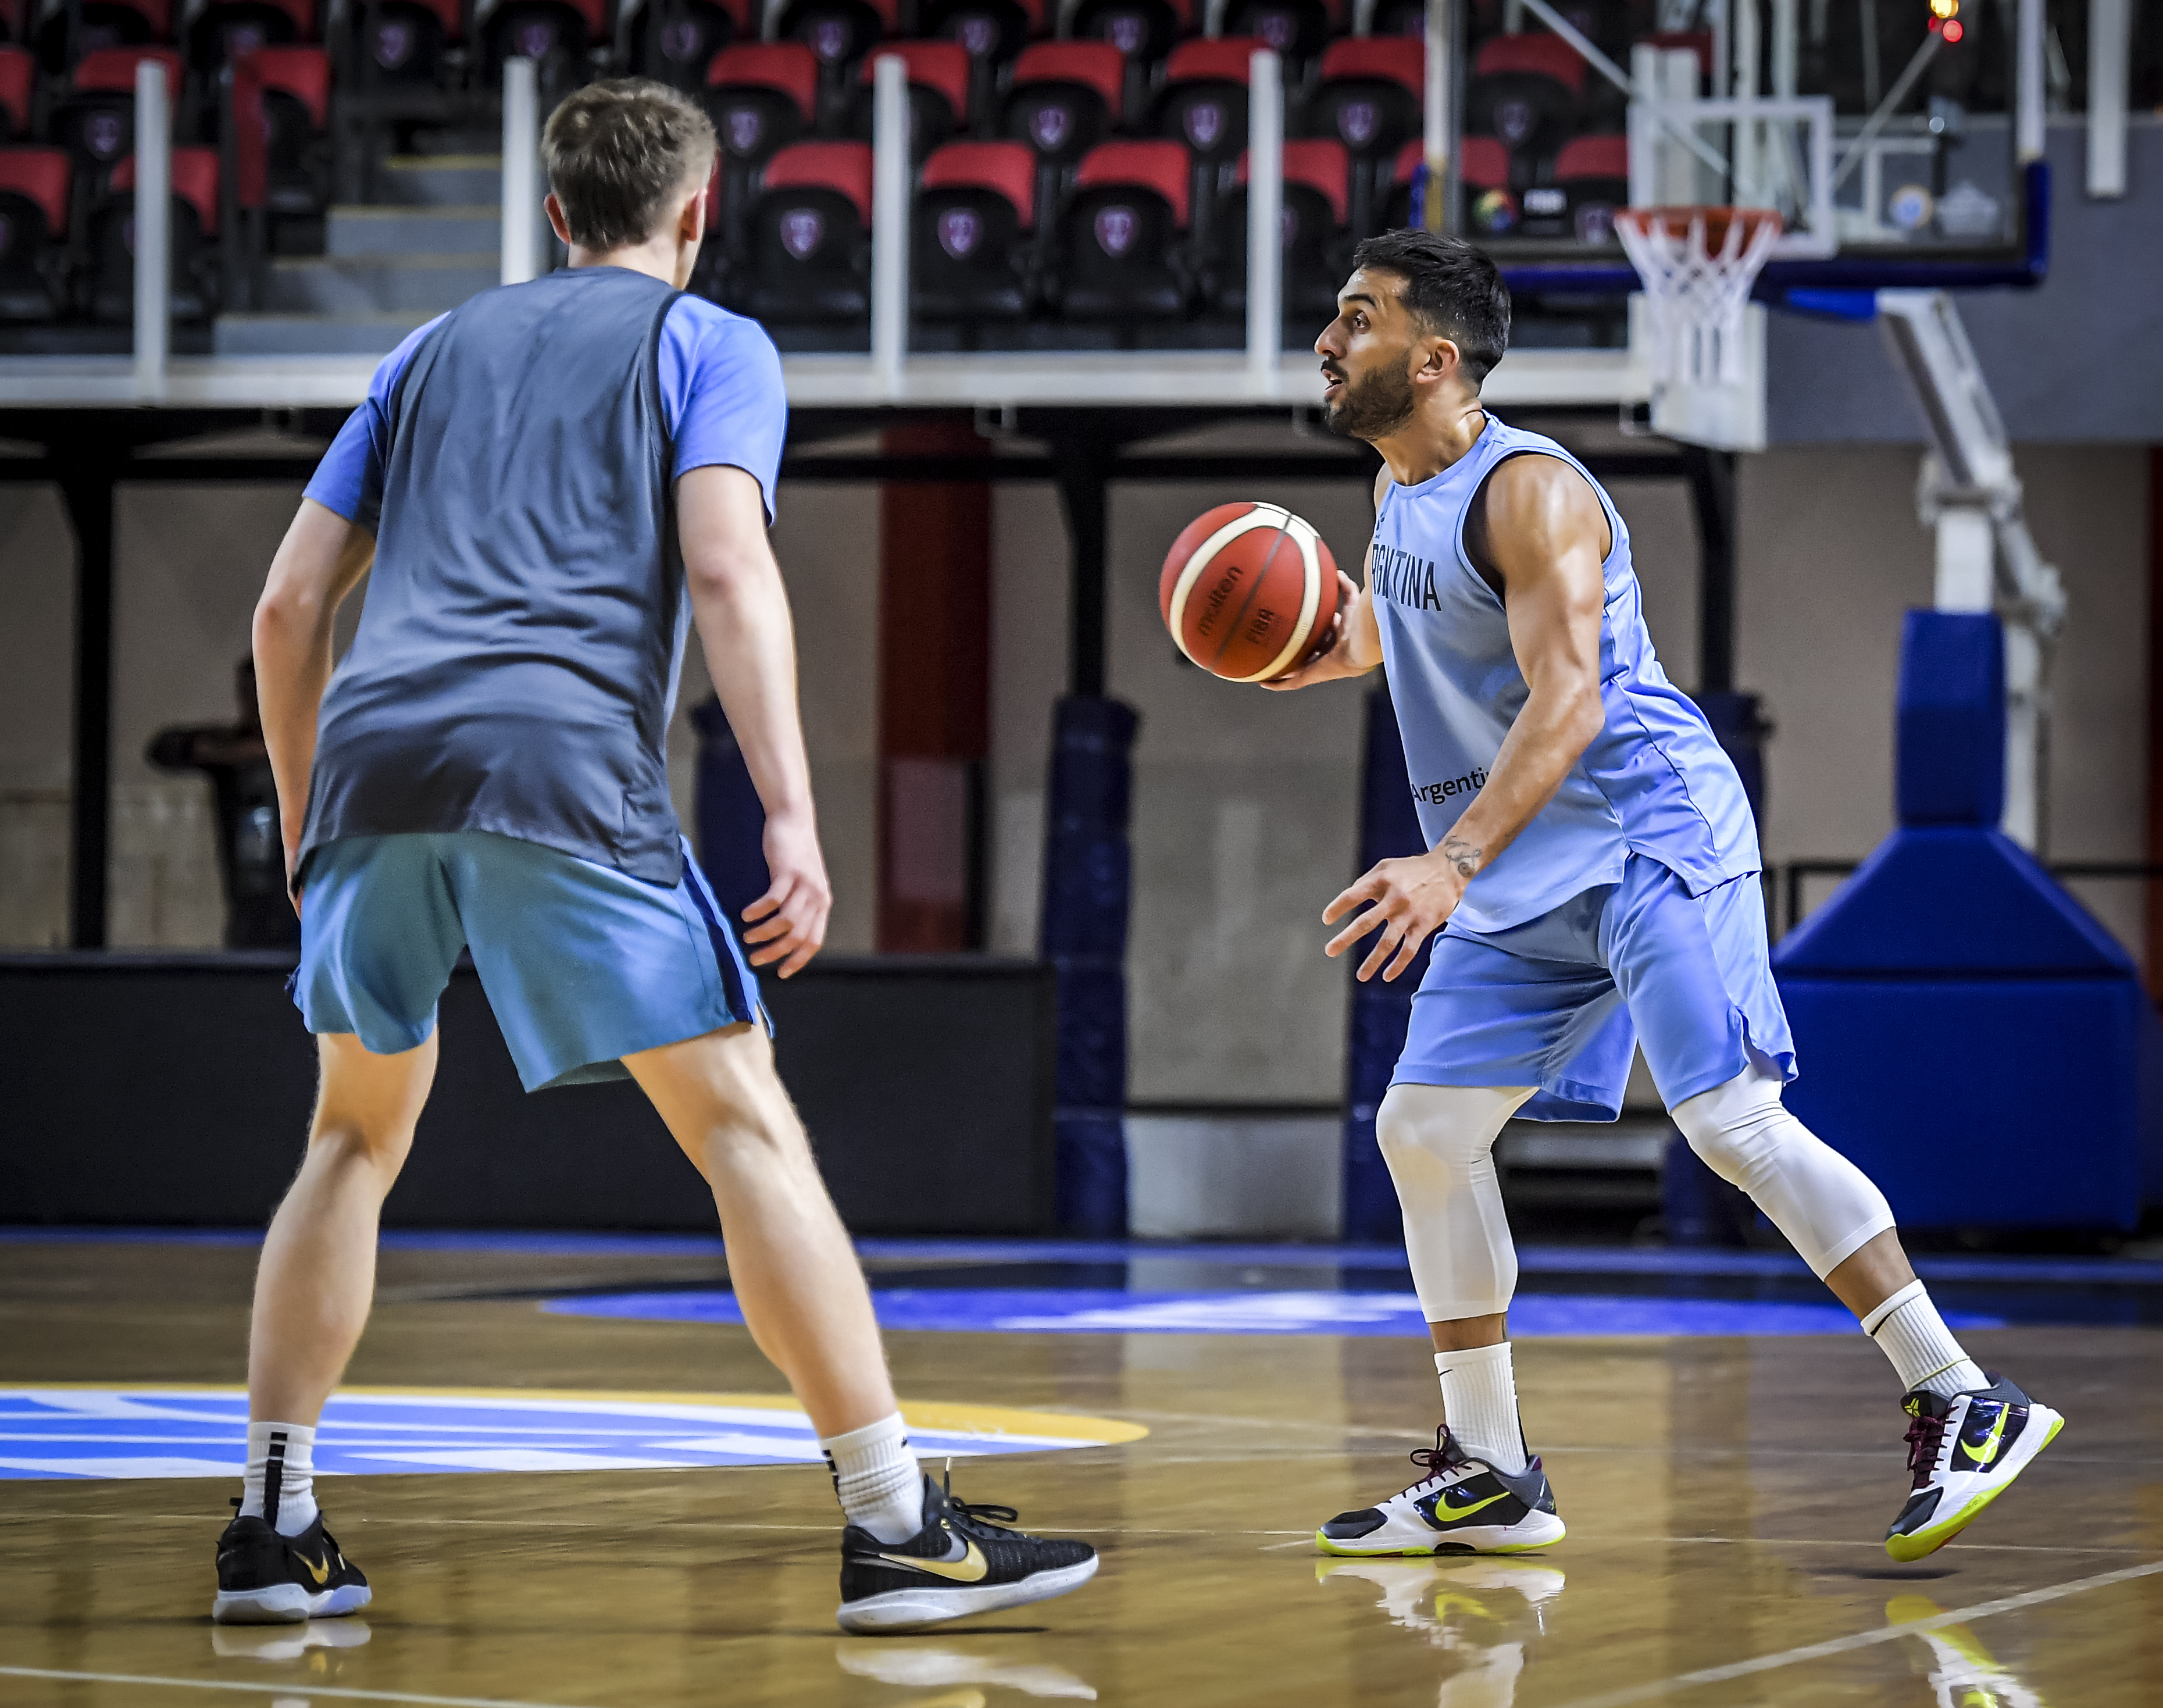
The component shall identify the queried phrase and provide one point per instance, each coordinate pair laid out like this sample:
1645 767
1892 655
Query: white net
1696 293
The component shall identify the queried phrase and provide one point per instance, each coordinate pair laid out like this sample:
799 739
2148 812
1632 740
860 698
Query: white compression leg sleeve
1439 1142
1824 1203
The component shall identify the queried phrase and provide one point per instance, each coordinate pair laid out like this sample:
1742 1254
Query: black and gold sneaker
1462 1506
1964 1453
964 1560
266 1578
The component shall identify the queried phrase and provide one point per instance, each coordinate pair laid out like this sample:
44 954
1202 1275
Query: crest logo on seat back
1357 122
1127 31
801 230
744 127
830 38
1277 28
680 41
960 231
536 38
242 39
1204 123
978 33
101 135
1049 126
394 43
6 234
1514 121
1287 226
1117 228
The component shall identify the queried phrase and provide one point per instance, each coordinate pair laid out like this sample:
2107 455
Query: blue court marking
67 1432
1105 1311
1532 1260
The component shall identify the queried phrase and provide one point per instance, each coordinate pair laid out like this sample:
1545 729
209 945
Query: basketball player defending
554 483
1594 855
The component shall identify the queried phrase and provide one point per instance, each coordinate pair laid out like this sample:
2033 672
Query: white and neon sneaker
1463 1506
1964 1452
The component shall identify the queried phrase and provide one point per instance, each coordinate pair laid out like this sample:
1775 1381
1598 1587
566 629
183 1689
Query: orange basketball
1248 592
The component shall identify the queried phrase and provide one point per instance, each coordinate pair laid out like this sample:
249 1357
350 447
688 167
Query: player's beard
1373 407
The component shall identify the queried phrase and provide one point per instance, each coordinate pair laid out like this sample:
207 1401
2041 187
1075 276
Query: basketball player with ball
1591 885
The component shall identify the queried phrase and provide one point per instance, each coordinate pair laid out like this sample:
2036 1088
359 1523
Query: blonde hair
616 153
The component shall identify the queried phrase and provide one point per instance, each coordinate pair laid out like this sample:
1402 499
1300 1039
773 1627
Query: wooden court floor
1726 1499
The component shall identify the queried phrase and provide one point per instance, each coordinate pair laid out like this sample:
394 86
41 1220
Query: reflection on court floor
1109 1311
154 1432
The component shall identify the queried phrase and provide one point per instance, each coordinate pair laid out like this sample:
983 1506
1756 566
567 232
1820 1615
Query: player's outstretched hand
1352 647
788 923
1410 899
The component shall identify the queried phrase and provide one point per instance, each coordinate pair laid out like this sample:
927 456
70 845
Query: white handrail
522 172
1440 36
2028 82
2110 53
890 183
154 229
1265 219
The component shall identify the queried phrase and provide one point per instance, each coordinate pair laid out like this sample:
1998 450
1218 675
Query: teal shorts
582 964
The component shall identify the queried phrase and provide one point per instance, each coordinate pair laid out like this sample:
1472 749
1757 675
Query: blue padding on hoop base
1832 305
1952 720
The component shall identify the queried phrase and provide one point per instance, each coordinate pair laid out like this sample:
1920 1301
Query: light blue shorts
582 963
1560 1001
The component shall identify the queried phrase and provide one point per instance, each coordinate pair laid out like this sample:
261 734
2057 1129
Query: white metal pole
1787 48
154 228
2028 83
2110 49
890 176
522 172
1265 218
1744 150
1434 205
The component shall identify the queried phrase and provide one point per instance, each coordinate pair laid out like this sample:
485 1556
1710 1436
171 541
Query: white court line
1864 1639
290 1687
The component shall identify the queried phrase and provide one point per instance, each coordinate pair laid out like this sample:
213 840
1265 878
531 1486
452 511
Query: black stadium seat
14 16
106 24
1483 170
1296 29
1203 104
112 296
293 85
1120 252
1371 99
96 122
937 91
405 42
555 34
762 95
675 40
225 27
1065 98
1314 233
1593 173
993 31
839 32
969 247
809 242
19 80
1526 91
34 224
1143 31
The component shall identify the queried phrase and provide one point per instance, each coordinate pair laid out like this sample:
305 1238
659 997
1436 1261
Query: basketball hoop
1696 265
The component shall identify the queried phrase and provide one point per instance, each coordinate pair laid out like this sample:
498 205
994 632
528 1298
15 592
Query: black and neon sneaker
964 1560
1462 1506
266 1578
1964 1452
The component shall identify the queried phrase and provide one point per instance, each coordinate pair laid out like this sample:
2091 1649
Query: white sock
1910 1331
877 1476
289 1449
1480 1400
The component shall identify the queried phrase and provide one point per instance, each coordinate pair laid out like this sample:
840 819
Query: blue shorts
1560 1001
582 964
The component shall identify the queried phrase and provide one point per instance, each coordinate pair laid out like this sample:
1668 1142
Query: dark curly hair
1450 288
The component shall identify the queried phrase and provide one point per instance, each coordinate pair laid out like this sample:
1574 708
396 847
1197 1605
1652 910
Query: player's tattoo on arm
1466 857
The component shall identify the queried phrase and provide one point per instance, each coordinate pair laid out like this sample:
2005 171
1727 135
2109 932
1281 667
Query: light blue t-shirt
721 397
1654 780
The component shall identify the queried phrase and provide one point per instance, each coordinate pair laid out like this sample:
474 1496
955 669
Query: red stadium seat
1593 173
1118 254
19 77
1370 98
226 27
968 256
96 123
1066 95
195 223
762 97
1311 232
1533 54
1527 90
939 73
283 95
1204 101
34 224
14 20
1483 166
809 239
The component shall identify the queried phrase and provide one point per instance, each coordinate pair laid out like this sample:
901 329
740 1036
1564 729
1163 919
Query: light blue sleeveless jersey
1653 781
